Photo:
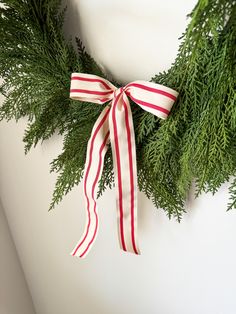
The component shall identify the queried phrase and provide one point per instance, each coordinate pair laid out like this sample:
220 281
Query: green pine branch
196 142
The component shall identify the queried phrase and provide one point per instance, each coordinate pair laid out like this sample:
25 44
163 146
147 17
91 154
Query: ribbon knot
115 125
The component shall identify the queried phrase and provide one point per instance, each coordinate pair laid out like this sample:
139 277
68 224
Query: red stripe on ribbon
146 104
118 164
93 189
153 90
85 91
78 78
131 174
86 177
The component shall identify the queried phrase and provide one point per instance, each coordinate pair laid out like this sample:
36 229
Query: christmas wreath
197 141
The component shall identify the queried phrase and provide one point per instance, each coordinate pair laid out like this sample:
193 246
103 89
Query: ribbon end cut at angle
115 126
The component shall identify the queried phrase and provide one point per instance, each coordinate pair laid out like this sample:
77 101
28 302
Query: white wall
186 268
14 294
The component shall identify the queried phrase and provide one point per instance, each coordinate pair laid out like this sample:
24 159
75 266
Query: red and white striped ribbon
115 125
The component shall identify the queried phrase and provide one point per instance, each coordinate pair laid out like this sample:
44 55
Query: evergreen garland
196 142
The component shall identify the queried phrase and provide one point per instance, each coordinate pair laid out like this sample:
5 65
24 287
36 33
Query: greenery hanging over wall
196 142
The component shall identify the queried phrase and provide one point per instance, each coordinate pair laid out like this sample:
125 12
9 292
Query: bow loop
154 98
91 88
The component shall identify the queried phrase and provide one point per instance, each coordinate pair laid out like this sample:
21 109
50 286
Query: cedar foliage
196 142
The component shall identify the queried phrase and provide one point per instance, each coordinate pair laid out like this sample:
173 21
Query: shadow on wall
73 22
14 294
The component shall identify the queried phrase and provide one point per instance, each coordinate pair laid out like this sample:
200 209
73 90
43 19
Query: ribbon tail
124 159
96 150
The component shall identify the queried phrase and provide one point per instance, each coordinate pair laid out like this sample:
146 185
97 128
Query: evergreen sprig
196 142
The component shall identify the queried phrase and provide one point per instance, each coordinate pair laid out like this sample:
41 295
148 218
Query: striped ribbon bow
115 125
